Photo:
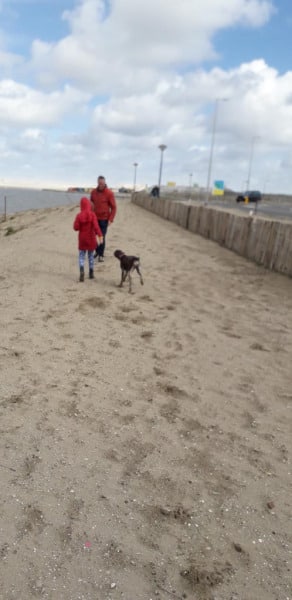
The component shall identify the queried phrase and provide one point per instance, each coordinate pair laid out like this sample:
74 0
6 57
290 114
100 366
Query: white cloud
8 61
132 78
259 100
21 105
102 51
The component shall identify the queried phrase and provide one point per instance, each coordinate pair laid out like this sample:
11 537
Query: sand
145 438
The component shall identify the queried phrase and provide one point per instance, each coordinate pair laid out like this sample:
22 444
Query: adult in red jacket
104 206
88 227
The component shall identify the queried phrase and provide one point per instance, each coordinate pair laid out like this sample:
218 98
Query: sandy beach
145 437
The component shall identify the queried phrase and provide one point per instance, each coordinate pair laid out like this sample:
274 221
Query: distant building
80 190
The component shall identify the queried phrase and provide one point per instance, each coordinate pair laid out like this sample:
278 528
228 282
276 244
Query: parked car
247 197
124 190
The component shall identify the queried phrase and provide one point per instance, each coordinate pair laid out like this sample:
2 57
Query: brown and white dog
128 264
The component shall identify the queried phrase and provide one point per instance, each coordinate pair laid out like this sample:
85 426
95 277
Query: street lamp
254 139
266 181
212 145
135 165
162 147
190 184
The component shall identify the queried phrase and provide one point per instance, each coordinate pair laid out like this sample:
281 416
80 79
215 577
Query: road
283 211
270 209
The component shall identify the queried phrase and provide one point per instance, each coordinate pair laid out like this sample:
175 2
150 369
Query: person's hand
100 239
110 222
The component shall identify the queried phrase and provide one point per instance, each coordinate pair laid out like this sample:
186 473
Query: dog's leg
140 275
130 282
122 279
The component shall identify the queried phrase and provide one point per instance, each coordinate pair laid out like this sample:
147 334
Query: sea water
19 199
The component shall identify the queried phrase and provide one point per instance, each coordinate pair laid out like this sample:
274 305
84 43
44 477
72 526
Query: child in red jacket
88 227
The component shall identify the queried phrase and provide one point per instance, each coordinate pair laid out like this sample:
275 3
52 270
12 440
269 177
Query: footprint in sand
30 464
191 425
128 309
205 576
135 454
113 554
227 329
127 419
170 411
147 335
171 307
257 459
93 302
145 298
139 319
249 420
259 347
114 343
158 371
74 508
15 399
173 390
70 409
65 535
33 520
120 317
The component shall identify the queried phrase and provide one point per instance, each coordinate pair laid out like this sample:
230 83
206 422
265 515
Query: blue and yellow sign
218 189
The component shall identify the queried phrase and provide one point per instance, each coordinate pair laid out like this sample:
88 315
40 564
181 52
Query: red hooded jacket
87 225
104 204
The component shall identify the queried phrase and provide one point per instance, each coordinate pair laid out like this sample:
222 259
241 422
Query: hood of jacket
86 211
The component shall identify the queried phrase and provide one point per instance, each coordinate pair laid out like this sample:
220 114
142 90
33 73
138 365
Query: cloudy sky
92 86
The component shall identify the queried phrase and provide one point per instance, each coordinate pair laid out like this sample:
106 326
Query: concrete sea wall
266 242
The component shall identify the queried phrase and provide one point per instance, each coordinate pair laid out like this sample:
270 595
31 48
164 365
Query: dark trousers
103 226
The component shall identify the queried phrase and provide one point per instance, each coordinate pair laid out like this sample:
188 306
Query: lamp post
212 145
190 184
266 181
162 147
253 141
135 165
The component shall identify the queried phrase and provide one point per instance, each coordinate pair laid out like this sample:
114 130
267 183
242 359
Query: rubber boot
81 278
91 274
